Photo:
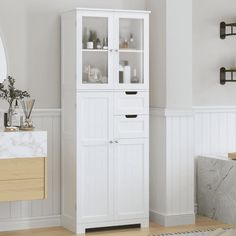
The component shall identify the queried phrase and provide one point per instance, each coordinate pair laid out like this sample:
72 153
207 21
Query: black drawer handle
131 116
131 92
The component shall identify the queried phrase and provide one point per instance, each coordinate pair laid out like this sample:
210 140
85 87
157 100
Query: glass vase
9 115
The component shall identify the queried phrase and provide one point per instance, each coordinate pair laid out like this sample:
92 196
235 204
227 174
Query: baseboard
68 222
30 223
172 220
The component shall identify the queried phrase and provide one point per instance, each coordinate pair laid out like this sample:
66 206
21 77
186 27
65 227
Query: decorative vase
27 106
10 127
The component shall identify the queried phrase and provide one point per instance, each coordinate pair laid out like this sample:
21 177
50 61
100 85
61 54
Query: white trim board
172 220
30 223
165 112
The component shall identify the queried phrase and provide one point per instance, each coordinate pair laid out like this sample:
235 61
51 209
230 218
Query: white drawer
131 102
131 126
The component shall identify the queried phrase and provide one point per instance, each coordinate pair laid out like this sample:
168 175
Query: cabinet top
110 10
23 144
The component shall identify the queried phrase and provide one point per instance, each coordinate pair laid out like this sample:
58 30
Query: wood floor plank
202 223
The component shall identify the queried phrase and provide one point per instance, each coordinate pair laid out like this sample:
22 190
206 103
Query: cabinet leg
80 230
145 224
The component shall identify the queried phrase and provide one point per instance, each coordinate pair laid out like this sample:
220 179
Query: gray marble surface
217 188
23 144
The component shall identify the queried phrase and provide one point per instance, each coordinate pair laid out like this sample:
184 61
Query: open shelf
223 73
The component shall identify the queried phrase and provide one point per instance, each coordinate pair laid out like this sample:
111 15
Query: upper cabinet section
111 49
95 55
131 59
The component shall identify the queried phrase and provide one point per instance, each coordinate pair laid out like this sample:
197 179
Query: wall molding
39 111
214 109
167 112
30 223
172 220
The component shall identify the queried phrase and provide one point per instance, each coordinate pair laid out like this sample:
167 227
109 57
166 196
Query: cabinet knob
111 50
116 141
111 142
116 50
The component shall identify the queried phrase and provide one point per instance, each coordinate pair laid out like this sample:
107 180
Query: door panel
94 161
131 179
131 58
95 60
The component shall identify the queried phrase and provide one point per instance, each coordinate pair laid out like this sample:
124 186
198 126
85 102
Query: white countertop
23 144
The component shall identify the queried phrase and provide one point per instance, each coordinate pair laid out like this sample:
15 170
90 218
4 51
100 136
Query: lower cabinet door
95 190
95 157
131 179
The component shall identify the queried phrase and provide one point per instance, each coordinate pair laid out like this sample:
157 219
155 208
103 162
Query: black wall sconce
223 27
223 73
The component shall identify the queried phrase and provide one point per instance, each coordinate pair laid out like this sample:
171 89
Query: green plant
9 93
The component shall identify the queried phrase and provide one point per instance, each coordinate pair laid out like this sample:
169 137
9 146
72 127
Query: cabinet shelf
223 73
131 50
94 50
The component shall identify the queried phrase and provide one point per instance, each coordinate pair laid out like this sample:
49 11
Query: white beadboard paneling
180 166
185 134
39 213
215 132
172 167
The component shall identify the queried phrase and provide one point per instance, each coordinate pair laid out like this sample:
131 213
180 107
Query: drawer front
15 190
22 168
131 102
131 126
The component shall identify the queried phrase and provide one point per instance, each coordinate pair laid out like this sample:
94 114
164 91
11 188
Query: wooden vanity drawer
23 179
131 102
22 168
27 189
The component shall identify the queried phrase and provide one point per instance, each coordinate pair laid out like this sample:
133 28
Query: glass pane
95 67
95 50
131 68
131 34
131 51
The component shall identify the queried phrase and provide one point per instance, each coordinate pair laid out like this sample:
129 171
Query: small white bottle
134 78
127 74
16 120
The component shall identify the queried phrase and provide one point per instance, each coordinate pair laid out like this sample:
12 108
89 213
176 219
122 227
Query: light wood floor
201 224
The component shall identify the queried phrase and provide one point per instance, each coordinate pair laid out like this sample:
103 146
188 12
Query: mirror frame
6 53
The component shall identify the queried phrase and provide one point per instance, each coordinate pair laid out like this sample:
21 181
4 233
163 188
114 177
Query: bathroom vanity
23 165
217 188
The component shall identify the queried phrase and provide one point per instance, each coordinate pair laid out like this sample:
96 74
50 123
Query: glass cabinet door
131 53
95 41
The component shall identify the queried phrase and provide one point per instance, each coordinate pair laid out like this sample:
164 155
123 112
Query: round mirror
3 62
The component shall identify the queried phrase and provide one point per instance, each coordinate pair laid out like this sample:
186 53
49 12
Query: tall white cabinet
105 118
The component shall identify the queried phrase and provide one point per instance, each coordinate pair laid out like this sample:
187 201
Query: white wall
171 53
157 52
31 30
210 52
